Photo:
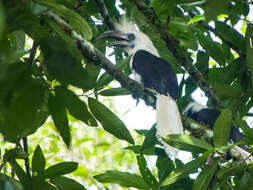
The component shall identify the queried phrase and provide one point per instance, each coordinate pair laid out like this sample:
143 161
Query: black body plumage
208 117
156 73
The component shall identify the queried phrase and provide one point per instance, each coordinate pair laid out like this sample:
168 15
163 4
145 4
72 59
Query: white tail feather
168 121
167 116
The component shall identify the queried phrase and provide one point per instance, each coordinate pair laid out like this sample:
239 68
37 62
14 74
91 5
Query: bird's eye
131 36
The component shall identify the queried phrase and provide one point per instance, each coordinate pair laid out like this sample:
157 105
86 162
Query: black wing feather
156 73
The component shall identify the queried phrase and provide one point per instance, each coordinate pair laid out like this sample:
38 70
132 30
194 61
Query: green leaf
2 19
63 64
74 19
20 117
114 92
14 153
224 91
38 161
196 19
150 138
146 173
249 50
64 183
137 149
17 39
183 171
214 49
231 35
221 129
187 143
226 172
71 44
60 169
205 176
163 8
124 179
110 122
76 107
164 165
23 178
202 62
59 115
214 8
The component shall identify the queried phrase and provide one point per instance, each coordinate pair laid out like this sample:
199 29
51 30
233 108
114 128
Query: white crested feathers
142 41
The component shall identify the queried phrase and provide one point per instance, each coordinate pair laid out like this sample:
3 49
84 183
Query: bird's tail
168 120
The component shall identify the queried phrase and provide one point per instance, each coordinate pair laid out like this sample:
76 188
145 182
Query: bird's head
127 35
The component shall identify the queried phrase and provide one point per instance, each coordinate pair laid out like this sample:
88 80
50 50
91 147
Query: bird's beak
121 39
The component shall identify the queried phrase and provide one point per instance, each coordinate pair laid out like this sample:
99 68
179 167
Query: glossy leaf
214 49
110 122
164 165
183 171
64 183
231 35
137 149
146 173
205 176
63 64
115 92
14 153
76 107
150 138
124 179
59 115
20 117
222 127
23 178
38 161
60 169
75 20
187 142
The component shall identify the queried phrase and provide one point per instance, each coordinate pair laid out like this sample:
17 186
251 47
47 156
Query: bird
152 71
208 116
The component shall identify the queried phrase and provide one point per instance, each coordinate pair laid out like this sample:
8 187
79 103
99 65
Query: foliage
50 89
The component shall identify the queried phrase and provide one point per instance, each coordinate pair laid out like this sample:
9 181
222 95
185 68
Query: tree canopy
54 77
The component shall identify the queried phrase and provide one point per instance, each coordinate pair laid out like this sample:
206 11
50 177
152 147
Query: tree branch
27 166
92 54
104 12
178 52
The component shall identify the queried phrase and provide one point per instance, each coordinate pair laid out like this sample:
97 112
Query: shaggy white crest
195 107
142 41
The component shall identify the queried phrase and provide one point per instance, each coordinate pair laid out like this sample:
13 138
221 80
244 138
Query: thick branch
177 51
104 12
93 55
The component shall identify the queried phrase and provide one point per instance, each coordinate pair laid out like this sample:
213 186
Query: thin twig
32 53
27 165
104 12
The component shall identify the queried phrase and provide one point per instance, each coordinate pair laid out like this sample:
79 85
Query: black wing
208 116
156 73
